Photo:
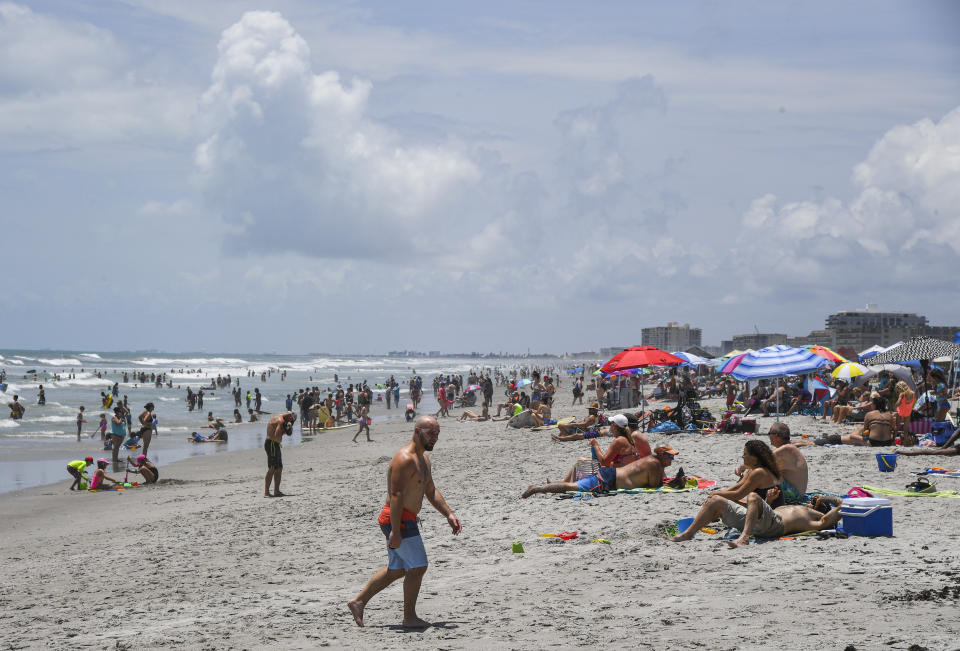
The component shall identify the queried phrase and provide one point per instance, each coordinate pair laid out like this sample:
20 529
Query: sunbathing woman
730 504
469 415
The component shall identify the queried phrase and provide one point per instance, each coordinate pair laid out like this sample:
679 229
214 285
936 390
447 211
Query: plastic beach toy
518 547
887 462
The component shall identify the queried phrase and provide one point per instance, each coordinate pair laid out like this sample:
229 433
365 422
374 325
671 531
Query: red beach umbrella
639 357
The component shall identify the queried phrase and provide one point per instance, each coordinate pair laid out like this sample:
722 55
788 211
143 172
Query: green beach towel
888 491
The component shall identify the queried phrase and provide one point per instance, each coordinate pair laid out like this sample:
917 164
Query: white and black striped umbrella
915 350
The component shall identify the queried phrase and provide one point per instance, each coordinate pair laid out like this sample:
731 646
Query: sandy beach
203 561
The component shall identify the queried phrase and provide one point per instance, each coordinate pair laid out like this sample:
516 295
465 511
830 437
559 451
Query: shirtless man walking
642 473
277 426
409 480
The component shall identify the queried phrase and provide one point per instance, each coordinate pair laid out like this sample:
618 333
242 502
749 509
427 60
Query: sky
372 176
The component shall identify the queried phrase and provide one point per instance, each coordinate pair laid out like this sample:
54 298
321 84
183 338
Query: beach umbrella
916 349
826 353
640 357
524 382
694 360
848 371
775 362
575 370
472 387
732 363
898 371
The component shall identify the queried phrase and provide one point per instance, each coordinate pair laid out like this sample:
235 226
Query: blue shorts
604 479
411 553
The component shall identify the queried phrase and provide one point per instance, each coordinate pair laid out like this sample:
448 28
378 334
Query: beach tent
870 352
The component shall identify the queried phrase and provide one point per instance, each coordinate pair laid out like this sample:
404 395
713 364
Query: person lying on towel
642 473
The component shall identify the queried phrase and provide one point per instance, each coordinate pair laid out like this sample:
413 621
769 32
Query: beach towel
562 421
693 483
899 493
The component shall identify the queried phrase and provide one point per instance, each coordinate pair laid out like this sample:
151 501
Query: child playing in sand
100 475
76 470
103 427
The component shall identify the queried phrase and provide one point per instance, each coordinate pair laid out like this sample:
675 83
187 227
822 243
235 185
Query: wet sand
202 560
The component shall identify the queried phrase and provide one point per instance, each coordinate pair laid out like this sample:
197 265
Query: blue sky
298 176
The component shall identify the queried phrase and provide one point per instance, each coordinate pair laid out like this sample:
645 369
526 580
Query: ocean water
35 450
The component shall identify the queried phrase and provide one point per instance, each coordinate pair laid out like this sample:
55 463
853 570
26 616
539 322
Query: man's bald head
426 422
780 430
426 430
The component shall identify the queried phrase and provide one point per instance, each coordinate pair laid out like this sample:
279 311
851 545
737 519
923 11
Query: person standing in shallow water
409 480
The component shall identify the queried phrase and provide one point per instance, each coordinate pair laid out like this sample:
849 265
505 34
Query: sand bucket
887 462
683 525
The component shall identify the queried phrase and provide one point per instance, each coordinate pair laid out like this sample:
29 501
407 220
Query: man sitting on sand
642 473
582 425
790 461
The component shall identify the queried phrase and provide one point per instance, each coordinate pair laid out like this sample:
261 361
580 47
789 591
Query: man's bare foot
739 542
356 609
530 491
680 538
415 622
267 495
279 494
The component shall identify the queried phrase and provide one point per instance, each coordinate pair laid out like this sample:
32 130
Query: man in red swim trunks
409 480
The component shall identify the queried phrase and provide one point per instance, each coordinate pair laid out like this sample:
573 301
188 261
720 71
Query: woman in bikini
730 504
620 452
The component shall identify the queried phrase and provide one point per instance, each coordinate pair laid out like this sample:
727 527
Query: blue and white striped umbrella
691 359
777 361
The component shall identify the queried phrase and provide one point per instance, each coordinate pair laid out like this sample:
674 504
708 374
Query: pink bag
856 491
